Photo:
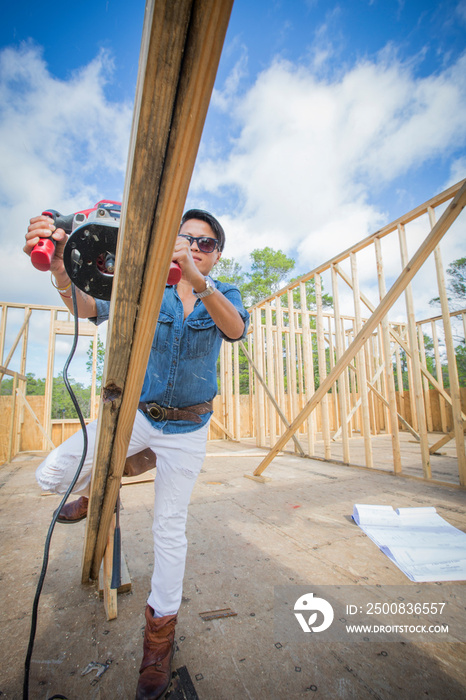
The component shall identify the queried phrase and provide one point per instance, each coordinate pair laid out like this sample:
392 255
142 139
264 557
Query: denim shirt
182 367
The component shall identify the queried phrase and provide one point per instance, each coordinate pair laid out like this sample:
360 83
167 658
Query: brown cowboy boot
73 512
159 642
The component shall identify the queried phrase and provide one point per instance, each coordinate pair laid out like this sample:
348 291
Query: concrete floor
245 538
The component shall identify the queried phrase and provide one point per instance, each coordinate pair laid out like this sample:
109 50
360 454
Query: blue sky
328 120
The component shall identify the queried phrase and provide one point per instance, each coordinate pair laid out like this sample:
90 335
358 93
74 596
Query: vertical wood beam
361 365
416 363
292 378
439 374
387 355
308 364
237 389
180 51
270 369
259 389
340 385
452 366
425 383
322 363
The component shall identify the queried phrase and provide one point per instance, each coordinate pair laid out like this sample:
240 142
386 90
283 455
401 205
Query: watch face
209 288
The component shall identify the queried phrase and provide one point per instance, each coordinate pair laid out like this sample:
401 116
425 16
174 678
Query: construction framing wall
390 384
322 375
26 421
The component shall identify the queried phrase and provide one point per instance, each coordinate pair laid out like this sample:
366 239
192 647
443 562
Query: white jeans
179 460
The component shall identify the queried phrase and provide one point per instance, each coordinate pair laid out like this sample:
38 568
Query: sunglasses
204 243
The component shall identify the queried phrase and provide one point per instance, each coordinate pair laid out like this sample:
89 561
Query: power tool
89 255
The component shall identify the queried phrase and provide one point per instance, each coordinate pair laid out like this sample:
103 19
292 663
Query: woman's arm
43 227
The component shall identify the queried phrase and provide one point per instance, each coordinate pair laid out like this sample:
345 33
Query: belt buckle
157 413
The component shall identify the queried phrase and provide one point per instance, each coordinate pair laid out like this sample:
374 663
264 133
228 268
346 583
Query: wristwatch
209 289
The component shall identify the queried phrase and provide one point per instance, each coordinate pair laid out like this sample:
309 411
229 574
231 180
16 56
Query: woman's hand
43 227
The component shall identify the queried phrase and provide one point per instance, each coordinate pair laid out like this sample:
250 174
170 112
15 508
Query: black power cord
27 664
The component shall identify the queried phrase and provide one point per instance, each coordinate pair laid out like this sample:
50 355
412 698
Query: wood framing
180 51
372 338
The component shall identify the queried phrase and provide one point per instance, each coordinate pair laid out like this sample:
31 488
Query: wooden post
237 388
270 368
322 363
452 367
361 365
407 274
416 364
180 51
281 396
425 383
49 379
390 381
11 440
340 384
259 392
292 378
438 372
3 331
308 364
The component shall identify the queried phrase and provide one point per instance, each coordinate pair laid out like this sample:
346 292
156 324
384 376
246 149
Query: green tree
6 387
62 405
269 271
456 291
229 270
34 387
327 299
456 284
100 360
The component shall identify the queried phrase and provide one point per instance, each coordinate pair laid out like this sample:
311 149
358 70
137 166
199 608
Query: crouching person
173 417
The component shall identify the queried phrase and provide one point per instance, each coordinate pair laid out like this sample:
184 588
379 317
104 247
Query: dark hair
209 219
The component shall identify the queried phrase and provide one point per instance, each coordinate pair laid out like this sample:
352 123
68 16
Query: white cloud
309 152
63 144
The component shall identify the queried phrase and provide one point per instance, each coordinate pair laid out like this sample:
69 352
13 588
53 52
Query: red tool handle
43 252
174 274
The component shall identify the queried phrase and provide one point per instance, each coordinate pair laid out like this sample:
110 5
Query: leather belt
163 413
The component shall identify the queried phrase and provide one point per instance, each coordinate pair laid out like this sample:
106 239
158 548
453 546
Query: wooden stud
388 364
416 365
322 364
292 374
259 387
425 383
341 384
458 427
308 364
438 371
180 51
237 390
270 368
281 397
361 365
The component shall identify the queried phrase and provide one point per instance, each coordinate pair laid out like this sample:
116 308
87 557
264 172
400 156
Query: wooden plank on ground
180 51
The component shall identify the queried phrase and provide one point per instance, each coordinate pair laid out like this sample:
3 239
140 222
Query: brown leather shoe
73 512
159 642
